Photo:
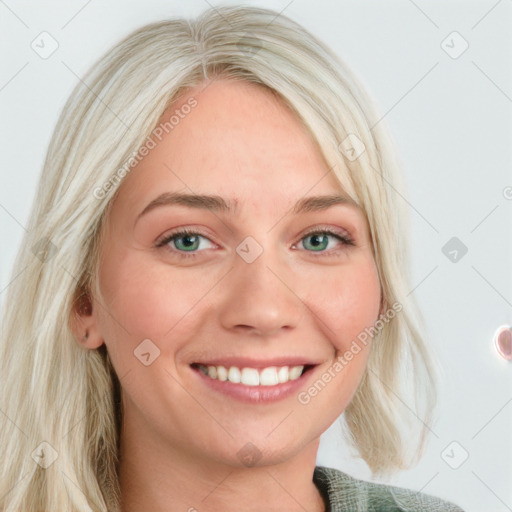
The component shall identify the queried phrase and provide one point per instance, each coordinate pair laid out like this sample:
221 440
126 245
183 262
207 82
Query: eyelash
343 238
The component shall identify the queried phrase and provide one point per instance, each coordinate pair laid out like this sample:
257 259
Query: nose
259 298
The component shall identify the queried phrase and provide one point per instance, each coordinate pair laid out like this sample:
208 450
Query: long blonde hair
55 391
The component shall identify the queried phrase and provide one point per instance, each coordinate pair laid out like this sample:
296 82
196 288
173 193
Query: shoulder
343 492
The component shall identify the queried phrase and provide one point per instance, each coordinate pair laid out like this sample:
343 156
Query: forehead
239 141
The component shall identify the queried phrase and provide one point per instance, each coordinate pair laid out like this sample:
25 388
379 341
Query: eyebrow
216 203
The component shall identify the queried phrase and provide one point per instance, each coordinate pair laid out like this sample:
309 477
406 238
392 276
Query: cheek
145 300
349 302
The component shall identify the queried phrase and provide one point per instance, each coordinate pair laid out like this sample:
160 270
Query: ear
83 322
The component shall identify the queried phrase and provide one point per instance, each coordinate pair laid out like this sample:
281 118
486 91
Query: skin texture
180 439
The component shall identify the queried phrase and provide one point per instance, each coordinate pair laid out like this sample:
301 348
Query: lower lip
256 394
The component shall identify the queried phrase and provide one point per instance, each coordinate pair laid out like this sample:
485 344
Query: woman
215 270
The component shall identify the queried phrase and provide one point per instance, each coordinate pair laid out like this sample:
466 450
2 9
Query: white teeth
269 376
222 373
234 375
295 372
282 374
250 377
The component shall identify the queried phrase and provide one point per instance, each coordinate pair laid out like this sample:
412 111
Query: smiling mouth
269 376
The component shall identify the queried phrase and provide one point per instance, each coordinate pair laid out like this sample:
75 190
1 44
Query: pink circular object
503 341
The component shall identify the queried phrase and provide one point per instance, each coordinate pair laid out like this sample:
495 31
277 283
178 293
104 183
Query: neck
158 476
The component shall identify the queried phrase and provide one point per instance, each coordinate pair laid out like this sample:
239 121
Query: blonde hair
55 390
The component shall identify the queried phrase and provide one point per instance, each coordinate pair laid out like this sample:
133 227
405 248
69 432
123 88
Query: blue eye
319 241
184 241
187 242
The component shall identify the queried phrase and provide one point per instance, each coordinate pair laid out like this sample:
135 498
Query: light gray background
451 119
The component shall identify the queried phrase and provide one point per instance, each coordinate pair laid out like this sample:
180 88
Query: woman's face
254 284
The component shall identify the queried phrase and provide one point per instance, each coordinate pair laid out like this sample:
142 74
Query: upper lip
247 362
